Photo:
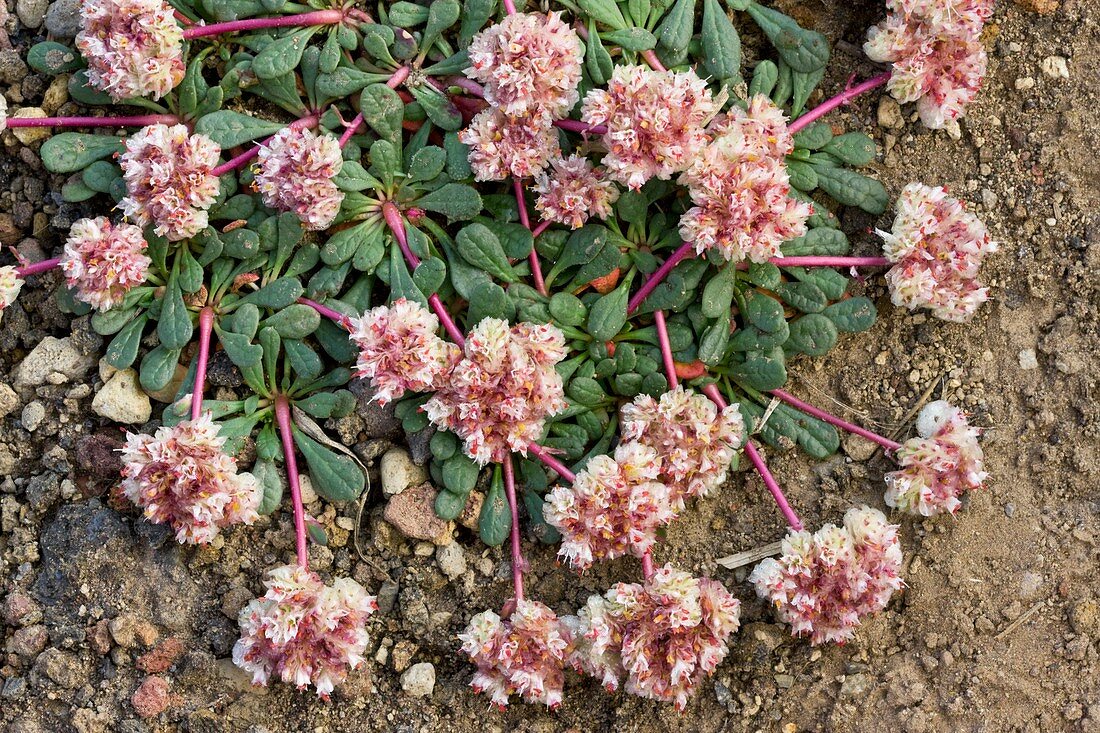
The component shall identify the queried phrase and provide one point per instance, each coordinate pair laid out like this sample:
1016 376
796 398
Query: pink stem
282 418
542 227
578 126
655 279
553 463
666 348
834 420
769 481
510 7
647 565
843 98
518 563
467 85
711 390
36 268
133 121
335 316
393 82
206 325
824 261
396 224
654 62
533 258
241 160
317 17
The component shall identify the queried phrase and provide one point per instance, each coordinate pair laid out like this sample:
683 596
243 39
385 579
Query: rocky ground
111 626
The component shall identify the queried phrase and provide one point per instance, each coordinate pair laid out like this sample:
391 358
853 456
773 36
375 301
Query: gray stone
451 559
63 18
419 679
122 399
889 113
420 445
33 415
51 356
31 12
398 472
9 400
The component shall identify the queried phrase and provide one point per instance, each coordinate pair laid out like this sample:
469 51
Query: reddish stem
206 325
525 220
824 261
650 57
241 160
317 17
843 98
335 316
666 348
711 390
467 85
510 7
37 268
834 420
393 82
518 563
542 227
582 127
282 419
553 463
773 486
655 279
132 121
396 223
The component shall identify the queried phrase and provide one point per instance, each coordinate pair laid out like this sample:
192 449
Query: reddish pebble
162 657
151 698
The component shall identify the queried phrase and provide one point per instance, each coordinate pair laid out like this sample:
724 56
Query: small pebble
419 679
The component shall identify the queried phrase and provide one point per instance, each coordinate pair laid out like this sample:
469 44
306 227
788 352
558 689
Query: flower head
304 631
613 508
499 395
938 467
503 146
936 247
938 59
572 191
102 261
521 655
530 64
295 174
665 636
181 477
3 113
824 583
169 182
399 349
10 285
133 47
655 121
741 190
696 441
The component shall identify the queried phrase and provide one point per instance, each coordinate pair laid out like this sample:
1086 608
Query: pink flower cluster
181 477
169 182
937 55
295 174
665 636
937 248
696 442
825 582
399 349
10 285
572 191
655 121
530 64
522 655
304 631
613 508
740 187
133 47
939 466
499 395
102 261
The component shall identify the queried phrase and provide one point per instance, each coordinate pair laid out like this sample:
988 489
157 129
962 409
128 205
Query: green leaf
583 246
586 391
75 192
567 309
718 293
458 157
475 14
712 346
240 349
272 485
607 316
190 277
516 239
230 129
721 44
762 370
459 473
456 201
449 506
828 280
109 322
158 367
283 54
174 327
385 158
383 110
335 477
806 297
480 247
674 32
50 57
123 349
802 175
801 49
69 152
407 15
852 314
342 245
438 106
803 85
442 14
489 301
324 405
764 78
303 360
430 275
354 177
812 334
853 148
820 241
495 522
277 294
631 39
401 283
443 445
545 533
814 136
597 60
295 321
752 338
763 312
852 189
764 275
603 11
427 163
345 81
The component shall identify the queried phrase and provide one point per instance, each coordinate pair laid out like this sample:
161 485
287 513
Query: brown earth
107 618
